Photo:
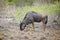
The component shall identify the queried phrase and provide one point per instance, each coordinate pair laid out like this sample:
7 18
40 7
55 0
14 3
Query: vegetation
50 7
13 11
47 9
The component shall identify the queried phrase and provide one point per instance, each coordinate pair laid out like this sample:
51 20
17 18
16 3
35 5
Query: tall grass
47 9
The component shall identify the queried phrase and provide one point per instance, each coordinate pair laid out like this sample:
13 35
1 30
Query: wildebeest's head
22 26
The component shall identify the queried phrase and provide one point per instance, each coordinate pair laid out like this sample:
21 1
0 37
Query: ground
11 31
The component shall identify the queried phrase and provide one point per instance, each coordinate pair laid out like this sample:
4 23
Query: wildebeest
32 17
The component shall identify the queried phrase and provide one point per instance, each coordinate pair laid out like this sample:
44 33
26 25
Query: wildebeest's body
30 18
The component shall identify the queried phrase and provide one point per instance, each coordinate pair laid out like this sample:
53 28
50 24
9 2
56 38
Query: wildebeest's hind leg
44 25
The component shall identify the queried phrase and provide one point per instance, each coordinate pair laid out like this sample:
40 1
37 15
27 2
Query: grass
47 9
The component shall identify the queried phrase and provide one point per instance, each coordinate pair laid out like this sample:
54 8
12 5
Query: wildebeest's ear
20 24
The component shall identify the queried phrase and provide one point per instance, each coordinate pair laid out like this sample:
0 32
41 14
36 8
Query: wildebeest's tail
46 20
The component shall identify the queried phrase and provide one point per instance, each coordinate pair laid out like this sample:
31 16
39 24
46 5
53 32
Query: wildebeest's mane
29 12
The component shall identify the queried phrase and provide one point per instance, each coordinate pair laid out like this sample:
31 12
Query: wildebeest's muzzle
22 26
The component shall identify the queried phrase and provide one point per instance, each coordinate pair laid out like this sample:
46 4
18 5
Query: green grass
47 9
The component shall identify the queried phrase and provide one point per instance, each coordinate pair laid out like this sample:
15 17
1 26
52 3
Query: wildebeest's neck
26 21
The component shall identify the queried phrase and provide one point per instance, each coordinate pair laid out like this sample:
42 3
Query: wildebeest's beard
22 26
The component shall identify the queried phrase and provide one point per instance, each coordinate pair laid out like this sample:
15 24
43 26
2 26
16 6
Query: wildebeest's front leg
33 26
